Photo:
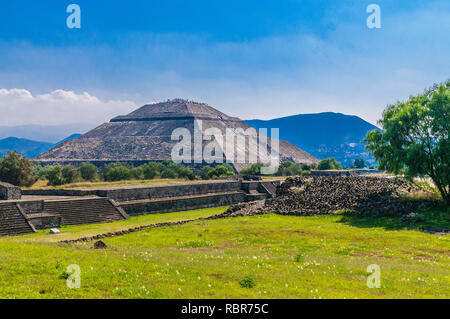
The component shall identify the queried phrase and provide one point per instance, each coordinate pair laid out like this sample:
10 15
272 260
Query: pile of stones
377 196
243 209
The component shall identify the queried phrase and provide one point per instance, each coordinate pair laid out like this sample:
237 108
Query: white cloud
59 107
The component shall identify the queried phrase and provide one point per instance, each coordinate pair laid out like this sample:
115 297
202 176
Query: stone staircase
13 221
270 188
85 210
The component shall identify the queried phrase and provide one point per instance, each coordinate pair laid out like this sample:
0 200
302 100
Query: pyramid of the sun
146 135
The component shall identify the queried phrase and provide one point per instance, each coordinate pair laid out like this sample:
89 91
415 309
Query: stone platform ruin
9 192
47 208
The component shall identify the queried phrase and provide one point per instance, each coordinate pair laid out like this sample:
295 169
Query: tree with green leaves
70 174
54 175
359 163
414 139
16 169
328 163
88 171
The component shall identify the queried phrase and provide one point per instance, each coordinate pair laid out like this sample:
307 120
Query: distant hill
323 135
29 148
49 133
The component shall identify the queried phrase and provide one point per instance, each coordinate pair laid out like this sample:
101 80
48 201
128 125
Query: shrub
16 169
54 175
289 169
150 170
205 172
247 282
329 163
185 172
221 170
117 172
70 174
169 173
137 172
88 171
359 163
255 169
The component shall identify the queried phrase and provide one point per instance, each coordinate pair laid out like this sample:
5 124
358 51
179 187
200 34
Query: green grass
266 256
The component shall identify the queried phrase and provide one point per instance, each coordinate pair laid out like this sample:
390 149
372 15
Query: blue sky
252 59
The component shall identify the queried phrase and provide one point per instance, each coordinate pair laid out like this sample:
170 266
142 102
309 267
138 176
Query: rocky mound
328 194
243 209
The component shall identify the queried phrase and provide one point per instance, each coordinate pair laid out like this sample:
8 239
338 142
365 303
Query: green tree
117 172
169 172
205 172
415 137
54 175
255 169
359 163
70 174
221 170
150 170
16 169
88 171
288 168
185 172
329 163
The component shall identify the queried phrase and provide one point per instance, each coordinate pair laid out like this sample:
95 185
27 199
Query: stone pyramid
146 135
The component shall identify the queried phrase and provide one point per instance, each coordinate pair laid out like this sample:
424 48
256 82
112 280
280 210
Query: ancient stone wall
182 203
174 190
9 192
146 191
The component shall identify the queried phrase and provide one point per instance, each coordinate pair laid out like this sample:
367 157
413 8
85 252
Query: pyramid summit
175 109
146 134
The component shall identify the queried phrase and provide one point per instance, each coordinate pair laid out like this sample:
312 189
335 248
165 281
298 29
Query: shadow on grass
435 219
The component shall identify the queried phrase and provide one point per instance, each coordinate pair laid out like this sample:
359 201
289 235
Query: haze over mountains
323 135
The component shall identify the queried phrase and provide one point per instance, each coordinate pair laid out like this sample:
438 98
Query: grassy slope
289 257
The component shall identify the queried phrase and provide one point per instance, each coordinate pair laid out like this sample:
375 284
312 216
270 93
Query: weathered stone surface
13 220
9 192
327 194
145 135
44 221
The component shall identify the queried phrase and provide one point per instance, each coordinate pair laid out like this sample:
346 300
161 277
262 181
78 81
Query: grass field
268 256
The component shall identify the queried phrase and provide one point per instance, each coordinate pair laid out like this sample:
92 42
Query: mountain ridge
27 147
323 135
